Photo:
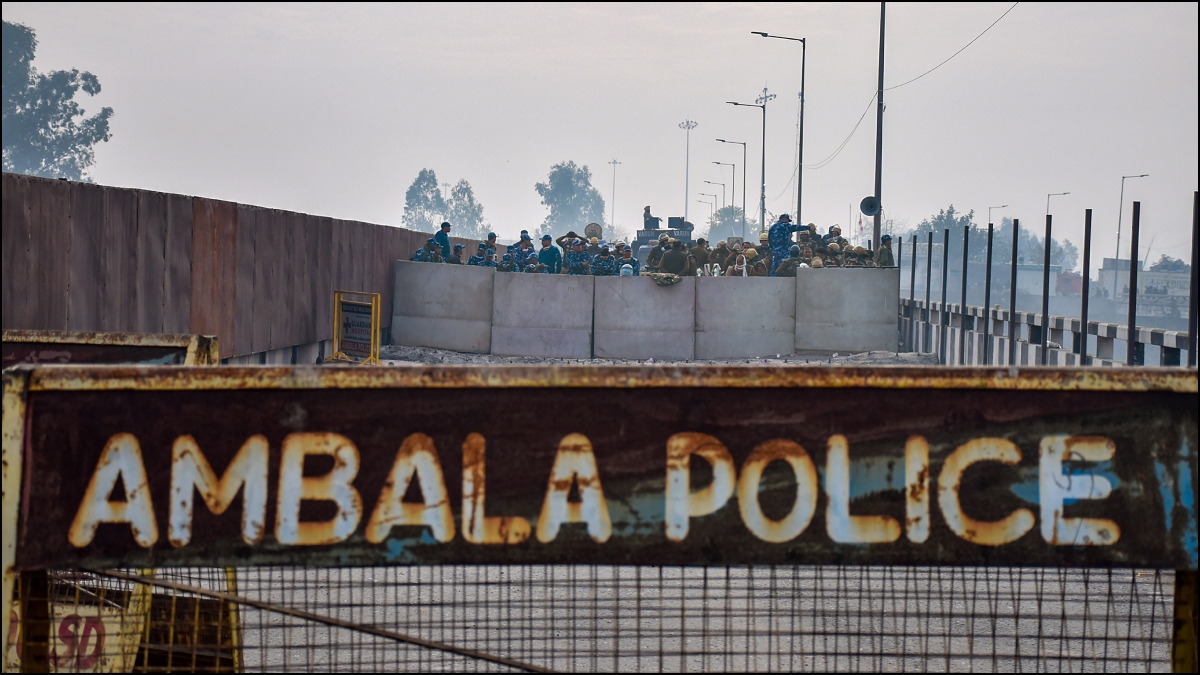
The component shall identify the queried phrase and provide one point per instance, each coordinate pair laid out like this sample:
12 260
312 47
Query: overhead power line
825 162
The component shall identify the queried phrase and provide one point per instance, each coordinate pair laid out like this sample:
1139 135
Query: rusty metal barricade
620 517
60 346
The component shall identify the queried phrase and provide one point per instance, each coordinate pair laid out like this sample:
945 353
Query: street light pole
687 125
800 160
732 178
1053 194
991 208
1121 212
722 140
879 131
761 103
612 218
722 191
711 205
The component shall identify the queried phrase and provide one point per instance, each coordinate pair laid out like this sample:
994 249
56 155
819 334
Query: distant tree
45 131
465 213
1168 264
424 208
727 222
1030 248
572 200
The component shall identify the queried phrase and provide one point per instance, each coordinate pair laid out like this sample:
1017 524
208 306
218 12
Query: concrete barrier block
637 319
543 315
740 317
443 306
847 309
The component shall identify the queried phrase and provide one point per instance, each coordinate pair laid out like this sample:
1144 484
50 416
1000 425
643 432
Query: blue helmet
490 252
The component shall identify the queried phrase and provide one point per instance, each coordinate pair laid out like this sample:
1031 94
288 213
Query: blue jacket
604 267
443 240
575 261
779 238
551 258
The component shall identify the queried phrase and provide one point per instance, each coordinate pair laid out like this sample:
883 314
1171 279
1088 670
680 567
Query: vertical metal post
944 318
962 343
1012 297
1192 294
800 159
1133 350
879 134
912 297
987 301
1081 343
927 315
899 270
1046 294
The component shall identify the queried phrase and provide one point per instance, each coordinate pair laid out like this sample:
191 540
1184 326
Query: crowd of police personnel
777 254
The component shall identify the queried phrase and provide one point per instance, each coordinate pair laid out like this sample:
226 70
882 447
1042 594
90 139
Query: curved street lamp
722 140
761 102
722 191
800 151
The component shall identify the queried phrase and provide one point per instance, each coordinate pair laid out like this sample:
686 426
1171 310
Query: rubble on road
399 355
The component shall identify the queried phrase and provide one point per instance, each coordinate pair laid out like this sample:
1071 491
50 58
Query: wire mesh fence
607 618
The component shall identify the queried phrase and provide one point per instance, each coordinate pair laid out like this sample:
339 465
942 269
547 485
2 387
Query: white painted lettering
417 456
916 489
1055 487
682 503
191 472
575 461
121 459
843 527
334 486
1008 529
478 527
795 522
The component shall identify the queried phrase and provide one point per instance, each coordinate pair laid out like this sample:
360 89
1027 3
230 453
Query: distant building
1114 278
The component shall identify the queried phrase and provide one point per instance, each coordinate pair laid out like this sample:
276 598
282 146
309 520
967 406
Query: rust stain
334 486
190 471
120 460
795 522
683 504
574 461
417 457
1003 531
478 527
174 378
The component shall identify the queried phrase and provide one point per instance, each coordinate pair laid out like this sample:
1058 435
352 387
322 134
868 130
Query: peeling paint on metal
574 463
478 527
191 473
335 486
843 527
993 533
805 506
121 460
417 457
681 503
1057 486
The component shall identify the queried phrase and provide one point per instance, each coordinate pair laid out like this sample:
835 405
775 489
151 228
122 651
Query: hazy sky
334 109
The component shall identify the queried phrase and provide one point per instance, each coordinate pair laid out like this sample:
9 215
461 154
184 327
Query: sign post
355 328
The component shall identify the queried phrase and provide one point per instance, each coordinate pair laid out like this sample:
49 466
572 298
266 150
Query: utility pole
612 218
687 125
879 132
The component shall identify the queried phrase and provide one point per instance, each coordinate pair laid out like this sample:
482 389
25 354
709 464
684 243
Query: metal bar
1134 356
926 315
15 398
325 620
962 343
900 318
1192 293
1183 641
1081 341
943 317
1044 341
430 377
987 301
1012 296
912 298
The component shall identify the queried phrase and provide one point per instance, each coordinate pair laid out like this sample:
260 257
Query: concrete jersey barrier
638 319
443 306
542 315
745 317
847 309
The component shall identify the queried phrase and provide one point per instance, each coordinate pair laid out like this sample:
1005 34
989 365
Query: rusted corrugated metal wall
79 256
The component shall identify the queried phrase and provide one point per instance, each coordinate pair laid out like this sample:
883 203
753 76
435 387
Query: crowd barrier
473 309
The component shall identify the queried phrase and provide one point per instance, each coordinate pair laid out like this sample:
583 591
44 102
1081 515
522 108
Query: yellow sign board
356 322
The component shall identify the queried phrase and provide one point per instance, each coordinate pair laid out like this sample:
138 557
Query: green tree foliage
1030 247
45 130
1168 264
727 222
572 200
465 213
424 208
